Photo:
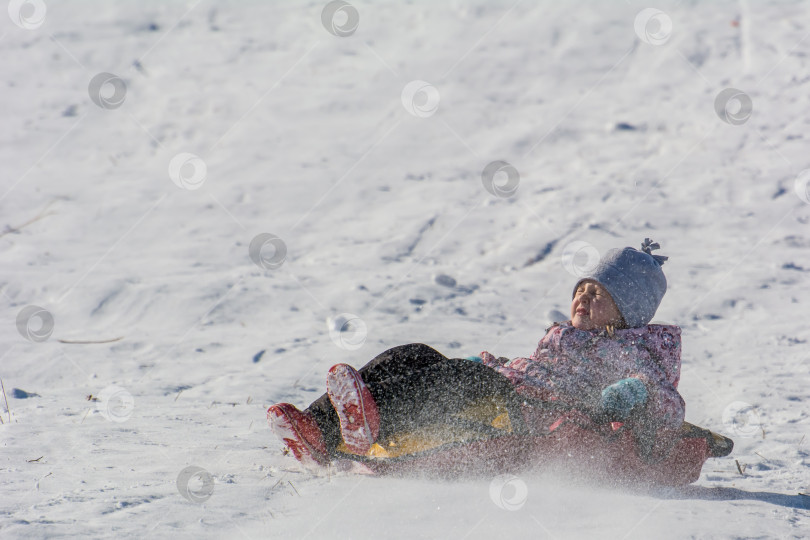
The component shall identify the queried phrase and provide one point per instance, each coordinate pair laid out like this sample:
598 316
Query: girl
606 362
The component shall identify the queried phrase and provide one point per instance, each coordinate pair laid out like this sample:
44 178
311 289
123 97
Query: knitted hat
634 279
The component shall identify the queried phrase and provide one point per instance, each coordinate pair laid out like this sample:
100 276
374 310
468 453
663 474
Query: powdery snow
372 182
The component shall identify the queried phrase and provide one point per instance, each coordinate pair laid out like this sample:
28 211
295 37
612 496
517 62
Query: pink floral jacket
571 367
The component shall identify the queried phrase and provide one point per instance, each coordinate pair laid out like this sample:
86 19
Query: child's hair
621 325
634 280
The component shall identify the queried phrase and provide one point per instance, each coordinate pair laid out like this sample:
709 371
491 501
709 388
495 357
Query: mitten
619 399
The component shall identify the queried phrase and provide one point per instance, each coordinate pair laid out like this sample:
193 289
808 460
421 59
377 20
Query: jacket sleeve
658 427
665 407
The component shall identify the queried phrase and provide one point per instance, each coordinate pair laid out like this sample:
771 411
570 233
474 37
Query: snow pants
414 385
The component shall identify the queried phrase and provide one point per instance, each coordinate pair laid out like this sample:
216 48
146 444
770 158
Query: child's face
593 307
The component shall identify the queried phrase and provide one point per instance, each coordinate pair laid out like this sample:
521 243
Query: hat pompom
648 245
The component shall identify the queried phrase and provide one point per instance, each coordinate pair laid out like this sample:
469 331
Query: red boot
300 434
356 409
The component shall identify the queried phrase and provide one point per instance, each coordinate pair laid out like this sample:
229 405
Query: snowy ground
373 185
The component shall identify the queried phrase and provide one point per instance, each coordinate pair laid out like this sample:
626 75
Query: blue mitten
621 397
475 359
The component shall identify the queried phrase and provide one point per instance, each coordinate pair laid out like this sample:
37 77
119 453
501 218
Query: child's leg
397 363
434 394
414 385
